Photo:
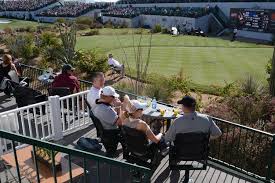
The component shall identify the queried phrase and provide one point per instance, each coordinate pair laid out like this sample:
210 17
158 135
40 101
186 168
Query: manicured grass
19 23
206 61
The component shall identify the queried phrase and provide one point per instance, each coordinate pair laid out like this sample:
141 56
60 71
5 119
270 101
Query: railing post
270 162
55 115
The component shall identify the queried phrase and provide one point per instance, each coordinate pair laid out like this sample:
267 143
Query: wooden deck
213 174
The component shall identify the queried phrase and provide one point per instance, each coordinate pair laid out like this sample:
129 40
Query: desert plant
250 85
90 61
22 46
84 20
8 30
157 28
92 32
67 33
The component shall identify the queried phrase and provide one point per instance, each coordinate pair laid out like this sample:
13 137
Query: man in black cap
66 79
191 121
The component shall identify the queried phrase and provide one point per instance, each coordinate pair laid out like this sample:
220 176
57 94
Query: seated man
191 121
66 79
98 81
109 117
117 66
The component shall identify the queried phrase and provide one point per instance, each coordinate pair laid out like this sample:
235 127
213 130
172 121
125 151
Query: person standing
235 31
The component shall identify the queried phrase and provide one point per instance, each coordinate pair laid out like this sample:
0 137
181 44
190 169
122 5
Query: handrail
64 149
244 127
25 107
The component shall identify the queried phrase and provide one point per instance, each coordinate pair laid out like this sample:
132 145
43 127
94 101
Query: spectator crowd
72 9
24 5
180 1
130 12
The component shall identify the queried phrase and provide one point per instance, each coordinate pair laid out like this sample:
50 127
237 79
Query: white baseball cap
138 105
109 91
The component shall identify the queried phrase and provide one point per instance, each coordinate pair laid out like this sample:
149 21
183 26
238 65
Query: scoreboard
258 20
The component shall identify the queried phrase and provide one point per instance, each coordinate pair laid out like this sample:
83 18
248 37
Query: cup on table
175 111
162 111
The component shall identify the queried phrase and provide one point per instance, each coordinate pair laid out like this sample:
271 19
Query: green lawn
205 61
18 23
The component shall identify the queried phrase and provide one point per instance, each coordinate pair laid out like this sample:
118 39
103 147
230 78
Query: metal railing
241 148
110 165
245 149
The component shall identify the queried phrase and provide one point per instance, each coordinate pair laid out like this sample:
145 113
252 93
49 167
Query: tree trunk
272 76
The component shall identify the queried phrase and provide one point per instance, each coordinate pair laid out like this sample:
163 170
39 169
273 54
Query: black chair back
60 91
98 125
135 141
191 146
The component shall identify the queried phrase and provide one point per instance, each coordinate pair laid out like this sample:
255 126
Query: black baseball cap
67 67
187 101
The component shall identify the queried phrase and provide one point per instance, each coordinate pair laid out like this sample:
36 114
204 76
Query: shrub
30 29
44 28
96 25
165 31
108 24
48 39
157 28
8 30
84 21
21 46
92 33
124 24
90 61
82 26
250 85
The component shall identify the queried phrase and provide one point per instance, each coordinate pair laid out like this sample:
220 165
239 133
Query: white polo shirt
92 96
113 62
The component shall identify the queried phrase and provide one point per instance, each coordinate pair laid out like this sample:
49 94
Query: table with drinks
159 112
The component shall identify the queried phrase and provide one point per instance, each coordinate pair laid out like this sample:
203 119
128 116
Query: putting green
207 61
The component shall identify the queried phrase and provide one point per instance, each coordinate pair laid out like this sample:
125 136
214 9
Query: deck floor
213 173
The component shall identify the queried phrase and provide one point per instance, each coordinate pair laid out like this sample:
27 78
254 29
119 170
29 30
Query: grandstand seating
24 5
184 1
72 9
130 12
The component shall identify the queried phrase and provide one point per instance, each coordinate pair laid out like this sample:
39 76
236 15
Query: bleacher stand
130 12
72 9
25 5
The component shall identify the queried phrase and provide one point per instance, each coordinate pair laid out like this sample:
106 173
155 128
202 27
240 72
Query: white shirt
114 62
92 96
235 31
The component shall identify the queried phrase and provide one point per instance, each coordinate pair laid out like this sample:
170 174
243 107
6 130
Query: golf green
204 60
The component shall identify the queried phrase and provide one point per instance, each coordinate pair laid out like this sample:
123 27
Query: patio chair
109 138
138 150
189 147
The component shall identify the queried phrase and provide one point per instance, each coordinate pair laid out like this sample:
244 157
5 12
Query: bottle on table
154 103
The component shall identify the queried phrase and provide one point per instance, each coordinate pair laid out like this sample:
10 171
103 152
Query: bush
108 24
124 25
84 21
90 61
8 30
157 28
96 25
91 33
48 39
82 26
22 46
165 31
30 29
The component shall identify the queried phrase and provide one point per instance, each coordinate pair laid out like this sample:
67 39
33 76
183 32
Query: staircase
219 21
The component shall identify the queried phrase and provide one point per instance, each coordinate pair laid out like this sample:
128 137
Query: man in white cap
104 111
109 117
